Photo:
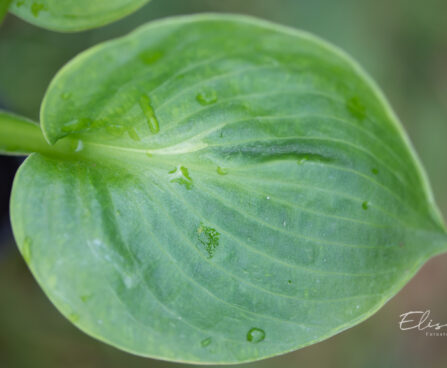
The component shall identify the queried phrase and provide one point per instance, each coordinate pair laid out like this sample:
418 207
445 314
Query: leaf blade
277 203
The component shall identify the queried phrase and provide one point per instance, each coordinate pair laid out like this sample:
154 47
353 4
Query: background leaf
73 15
240 190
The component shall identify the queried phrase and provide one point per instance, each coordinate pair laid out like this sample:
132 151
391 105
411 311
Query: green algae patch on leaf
242 190
73 15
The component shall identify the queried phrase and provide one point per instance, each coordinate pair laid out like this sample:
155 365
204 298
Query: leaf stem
20 136
4 6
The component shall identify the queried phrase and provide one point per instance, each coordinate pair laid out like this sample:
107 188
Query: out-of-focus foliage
402 43
73 15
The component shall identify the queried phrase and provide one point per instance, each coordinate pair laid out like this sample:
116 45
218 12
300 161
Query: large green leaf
235 190
73 15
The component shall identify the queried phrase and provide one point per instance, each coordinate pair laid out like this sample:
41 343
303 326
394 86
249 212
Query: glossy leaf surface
73 15
235 190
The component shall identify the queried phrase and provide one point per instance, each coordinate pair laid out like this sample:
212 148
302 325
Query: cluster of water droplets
85 124
180 175
35 8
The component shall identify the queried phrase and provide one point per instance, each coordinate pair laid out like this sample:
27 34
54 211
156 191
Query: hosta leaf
235 190
73 15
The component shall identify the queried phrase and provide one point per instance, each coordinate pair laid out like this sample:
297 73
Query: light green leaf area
236 190
73 15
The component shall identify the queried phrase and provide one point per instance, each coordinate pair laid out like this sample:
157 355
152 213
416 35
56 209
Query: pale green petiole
20 136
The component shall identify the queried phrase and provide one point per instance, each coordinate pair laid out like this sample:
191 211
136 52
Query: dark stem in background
8 168
4 6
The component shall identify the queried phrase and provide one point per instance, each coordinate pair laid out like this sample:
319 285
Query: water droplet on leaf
206 342
36 8
207 98
149 113
77 125
133 134
79 146
180 175
255 335
129 281
115 130
221 171
208 238
305 157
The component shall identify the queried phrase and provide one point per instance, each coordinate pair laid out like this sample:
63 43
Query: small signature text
420 320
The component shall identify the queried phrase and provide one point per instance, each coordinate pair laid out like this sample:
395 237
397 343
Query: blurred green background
402 43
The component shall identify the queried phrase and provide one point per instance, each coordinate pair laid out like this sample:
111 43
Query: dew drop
284 223
180 175
26 249
356 108
255 335
208 238
207 98
128 281
206 342
365 205
115 130
221 171
289 282
133 134
79 146
268 198
77 125
302 158
66 95
149 113
36 8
